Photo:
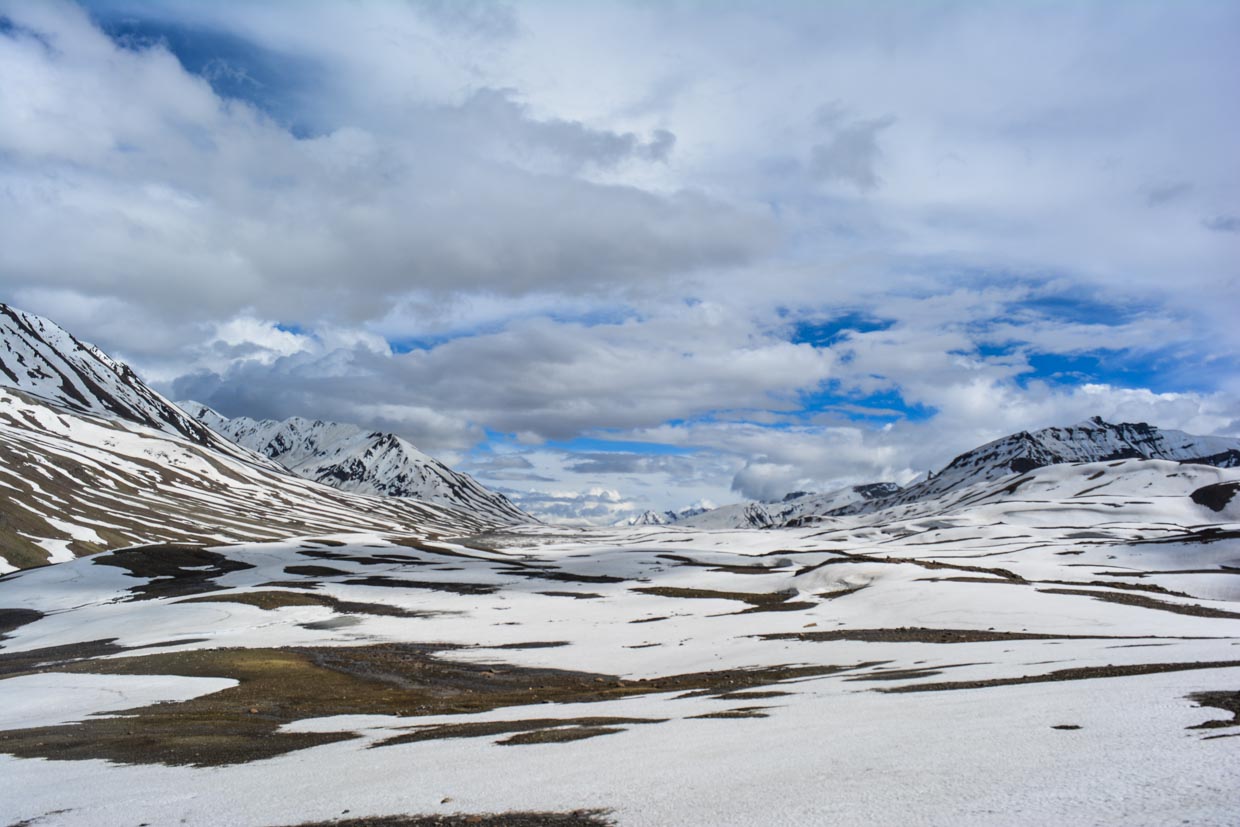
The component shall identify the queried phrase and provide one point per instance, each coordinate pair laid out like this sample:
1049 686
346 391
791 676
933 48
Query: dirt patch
270 600
50 658
911 634
1226 701
11 619
760 601
752 696
1143 602
743 712
1077 674
966 579
543 726
574 595
562 576
278 686
365 560
181 570
431 585
577 818
1216 497
558 736
315 571
845 558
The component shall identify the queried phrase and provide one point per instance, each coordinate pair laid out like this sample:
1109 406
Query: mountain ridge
1093 440
350 458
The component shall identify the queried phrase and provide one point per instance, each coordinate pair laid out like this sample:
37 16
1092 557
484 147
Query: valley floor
993 668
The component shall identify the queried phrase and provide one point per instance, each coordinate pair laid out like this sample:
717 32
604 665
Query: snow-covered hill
363 462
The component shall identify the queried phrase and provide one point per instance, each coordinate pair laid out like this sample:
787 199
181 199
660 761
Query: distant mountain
363 462
791 509
1093 440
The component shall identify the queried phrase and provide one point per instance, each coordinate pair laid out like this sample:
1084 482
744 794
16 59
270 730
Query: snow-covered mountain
650 517
40 358
93 459
363 462
792 509
1093 440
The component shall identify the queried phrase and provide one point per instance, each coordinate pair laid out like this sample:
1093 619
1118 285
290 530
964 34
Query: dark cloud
1223 224
625 463
851 152
1166 193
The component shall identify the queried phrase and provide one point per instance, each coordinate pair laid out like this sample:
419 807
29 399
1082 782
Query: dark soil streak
576 818
1149 603
1077 674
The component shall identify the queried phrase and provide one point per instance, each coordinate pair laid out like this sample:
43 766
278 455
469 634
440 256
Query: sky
610 256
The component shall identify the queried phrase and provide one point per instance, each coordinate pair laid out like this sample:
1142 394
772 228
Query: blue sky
612 256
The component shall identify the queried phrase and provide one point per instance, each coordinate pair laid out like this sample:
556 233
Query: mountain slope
93 459
40 358
76 483
363 462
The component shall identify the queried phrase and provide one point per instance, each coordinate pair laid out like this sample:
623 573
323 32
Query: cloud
128 177
595 506
540 377
631 463
851 152
1223 224
1165 193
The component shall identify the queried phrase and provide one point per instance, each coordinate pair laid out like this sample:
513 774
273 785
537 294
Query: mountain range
353 459
1093 440
94 458
91 458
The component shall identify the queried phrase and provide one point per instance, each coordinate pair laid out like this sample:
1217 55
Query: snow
48 699
837 748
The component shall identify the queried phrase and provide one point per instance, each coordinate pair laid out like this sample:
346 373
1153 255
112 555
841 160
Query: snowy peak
647 518
363 462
